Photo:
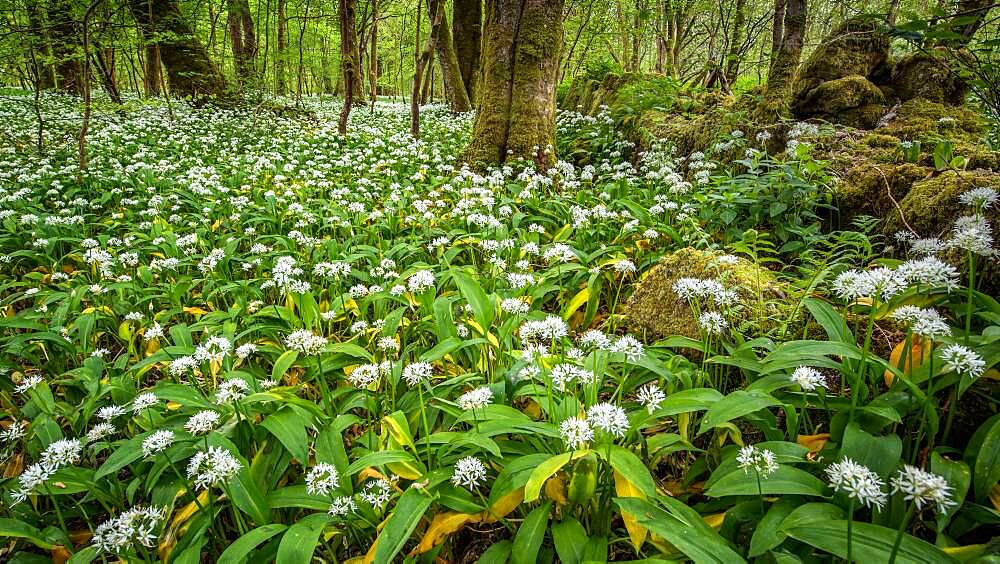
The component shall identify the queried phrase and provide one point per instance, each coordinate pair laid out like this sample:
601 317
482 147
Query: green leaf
84 556
284 362
986 472
880 454
735 405
482 307
830 320
686 531
498 553
570 539
16 529
959 477
545 470
869 543
400 525
237 552
301 539
685 401
289 427
127 453
530 535
766 536
632 468
784 480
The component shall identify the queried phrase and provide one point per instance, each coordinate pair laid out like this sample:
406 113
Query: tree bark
189 70
421 60
280 56
451 73
373 55
784 62
39 43
976 9
243 40
348 59
66 46
736 42
467 37
522 42
151 72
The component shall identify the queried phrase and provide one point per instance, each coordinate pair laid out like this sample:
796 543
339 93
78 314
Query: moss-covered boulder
852 100
932 204
866 188
928 75
856 47
656 311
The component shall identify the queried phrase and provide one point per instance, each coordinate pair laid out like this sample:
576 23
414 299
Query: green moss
655 310
932 204
864 189
852 100
928 75
919 119
856 47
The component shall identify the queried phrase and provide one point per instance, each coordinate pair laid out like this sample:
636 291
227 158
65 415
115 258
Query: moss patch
928 76
932 204
856 47
852 100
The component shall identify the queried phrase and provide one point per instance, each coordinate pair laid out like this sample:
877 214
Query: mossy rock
928 75
856 47
919 119
852 100
864 189
932 204
655 311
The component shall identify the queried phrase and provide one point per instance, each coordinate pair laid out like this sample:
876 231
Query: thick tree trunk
373 55
778 28
66 46
243 40
189 70
736 42
422 58
151 77
327 81
280 57
451 73
45 73
348 59
784 63
522 42
467 37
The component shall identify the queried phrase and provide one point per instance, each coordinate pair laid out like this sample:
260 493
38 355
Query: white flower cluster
135 526
858 482
760 460
923 488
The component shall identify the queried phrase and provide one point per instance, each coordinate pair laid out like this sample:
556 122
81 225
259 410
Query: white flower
609 418
12 433
926 322
61 453
881 283
563 374
143 401
100 431
137 525
364 375
213 350
857 482
548 329
595 339
469 472
979 198
110 412
245 350
963 360
212 467
514 306
808 378
929 271
376 492
202 422
630 347
650 396
760 460
32 477
341 506
480 397
625 266
923 488
712 322
420 280
27 383
417 372
305 342
973 234
322 479
929 246
576 432
231 390
157 442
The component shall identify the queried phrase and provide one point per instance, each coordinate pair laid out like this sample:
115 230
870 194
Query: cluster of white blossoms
231 390
925 322
305 342
417 372
650 396
202 422
576 432
376 493
808 378
469 472
215 466
322 479
705 288
923 488
963 360
420 281
157 442
475 399
608 418
712 323
858 482
136 526
760 460
59 454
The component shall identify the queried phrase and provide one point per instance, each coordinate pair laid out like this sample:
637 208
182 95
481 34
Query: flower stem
901 532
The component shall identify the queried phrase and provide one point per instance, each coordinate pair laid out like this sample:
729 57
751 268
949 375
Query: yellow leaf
715 521
920 350
636 532
441 526
574 304
814 443
195 311
503 506
555 489
995 496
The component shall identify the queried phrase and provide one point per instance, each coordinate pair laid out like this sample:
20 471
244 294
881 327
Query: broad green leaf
482 306
695 539
735 405
399 526
284 362
631 468
869 543
18 529
530 535
570 540
880 454
784 480
238 551
766 535
289 427
301 539
986 472
545 470
959 477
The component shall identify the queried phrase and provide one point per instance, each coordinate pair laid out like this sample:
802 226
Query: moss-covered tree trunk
784 62
971 16
451 73
243 40
736 42
189 70
348 58
66 46
152 79
467 36
38 44
522 42
281 51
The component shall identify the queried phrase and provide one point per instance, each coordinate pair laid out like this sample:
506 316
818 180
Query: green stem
850 529
968 297
863 366
62 522
901 532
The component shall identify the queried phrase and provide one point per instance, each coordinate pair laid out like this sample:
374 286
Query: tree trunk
736 42
151 72
65 44
327 81
784 63
467 37
451 73
373 55
243 39
348 59
39 43
778 29
975 9
522 42
280 82
189 70
421 60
